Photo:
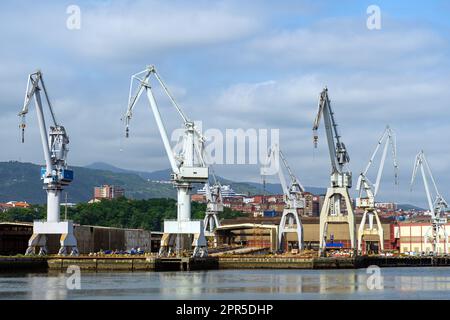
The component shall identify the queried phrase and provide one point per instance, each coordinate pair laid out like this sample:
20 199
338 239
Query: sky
230 64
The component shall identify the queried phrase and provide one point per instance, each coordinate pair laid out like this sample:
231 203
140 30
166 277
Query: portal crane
341 178
187 167
214 205
293 197
370 189
55 174
437 206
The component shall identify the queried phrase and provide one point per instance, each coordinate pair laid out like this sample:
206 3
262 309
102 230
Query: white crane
214 206
292 194
55 173
187 167
341 179
437 206
370 189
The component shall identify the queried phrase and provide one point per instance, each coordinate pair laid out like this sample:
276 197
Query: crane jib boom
34 79
133 99
388 137
337 151
291 191
59 137
294 180
182 164
273 156
439 203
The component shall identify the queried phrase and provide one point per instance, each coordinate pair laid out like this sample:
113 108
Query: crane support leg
177 233
183 228
323 230
332 214
291 214
434 234
68 241
37 241
361 231
364 230
211 223
445 241
167 243
200 245
380 232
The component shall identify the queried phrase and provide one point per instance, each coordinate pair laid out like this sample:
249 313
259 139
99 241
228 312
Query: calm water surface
398 283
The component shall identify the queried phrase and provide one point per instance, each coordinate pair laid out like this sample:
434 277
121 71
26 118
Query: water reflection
398 283
47 288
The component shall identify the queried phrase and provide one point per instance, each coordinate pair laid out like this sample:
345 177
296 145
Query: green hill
21 181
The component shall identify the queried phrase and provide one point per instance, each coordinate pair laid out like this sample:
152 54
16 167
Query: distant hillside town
272 205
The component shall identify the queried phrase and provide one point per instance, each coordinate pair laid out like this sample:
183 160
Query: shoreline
142 263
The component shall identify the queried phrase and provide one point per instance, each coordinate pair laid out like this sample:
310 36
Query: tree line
146 214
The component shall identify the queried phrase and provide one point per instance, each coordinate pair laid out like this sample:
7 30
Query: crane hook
127 132
22 126
315 138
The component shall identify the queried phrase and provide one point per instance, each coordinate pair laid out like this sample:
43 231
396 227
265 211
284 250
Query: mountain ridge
161 175
20 181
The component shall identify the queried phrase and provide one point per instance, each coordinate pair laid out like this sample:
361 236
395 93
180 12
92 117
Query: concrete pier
186 264
98 264
330 263
103 263
23 264
264 263
142 263
364 262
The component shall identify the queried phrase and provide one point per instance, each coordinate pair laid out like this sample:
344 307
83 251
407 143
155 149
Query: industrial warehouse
14 238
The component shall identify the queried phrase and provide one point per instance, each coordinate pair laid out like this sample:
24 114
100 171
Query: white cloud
121 31
344 43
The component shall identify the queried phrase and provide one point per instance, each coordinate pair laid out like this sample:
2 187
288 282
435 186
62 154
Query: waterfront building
411 236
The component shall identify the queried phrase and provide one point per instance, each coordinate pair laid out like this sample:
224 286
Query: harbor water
385 283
